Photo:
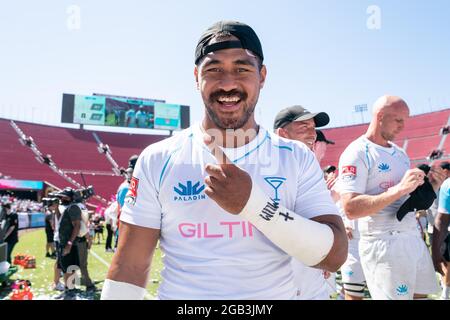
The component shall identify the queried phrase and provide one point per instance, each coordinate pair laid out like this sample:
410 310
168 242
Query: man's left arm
334 258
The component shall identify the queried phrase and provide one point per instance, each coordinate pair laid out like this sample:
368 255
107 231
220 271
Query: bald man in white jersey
375 179
230 202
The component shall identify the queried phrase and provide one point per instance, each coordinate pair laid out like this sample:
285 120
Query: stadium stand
422 135
74 150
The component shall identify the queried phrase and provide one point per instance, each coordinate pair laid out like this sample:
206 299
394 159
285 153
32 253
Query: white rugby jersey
368 168
208 252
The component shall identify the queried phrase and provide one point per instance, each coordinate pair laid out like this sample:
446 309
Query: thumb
216 151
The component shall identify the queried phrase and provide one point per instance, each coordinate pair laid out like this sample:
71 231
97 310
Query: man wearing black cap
299 124
68 218
228 223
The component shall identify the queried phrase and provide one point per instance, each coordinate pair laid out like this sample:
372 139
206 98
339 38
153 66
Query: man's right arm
132 261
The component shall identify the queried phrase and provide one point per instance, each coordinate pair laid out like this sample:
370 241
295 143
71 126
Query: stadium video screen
123 112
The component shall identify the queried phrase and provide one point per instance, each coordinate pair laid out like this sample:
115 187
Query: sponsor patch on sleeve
348 172
132 192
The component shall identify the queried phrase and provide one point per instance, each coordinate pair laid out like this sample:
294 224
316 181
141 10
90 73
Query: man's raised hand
227 184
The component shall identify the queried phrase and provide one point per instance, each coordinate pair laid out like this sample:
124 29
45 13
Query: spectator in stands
445 130
12 229
320 146
50 245
122 191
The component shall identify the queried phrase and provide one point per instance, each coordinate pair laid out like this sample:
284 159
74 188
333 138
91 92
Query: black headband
247 39
231 44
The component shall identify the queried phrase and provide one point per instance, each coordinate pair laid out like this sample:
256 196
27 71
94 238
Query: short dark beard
230 123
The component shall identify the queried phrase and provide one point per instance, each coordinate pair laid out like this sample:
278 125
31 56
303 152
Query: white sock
445 292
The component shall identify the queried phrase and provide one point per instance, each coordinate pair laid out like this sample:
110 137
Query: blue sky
319 54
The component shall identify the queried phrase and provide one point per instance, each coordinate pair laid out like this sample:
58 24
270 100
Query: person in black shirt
12 229
50 245
69 217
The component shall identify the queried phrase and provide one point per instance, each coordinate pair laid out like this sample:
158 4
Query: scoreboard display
104 110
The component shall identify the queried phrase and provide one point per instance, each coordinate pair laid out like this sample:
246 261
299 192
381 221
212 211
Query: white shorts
310 283
351 270
397 265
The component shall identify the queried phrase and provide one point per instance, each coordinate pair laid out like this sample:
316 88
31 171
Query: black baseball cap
445 165
67 192
298 113
132 161
246 35
329 169
321 137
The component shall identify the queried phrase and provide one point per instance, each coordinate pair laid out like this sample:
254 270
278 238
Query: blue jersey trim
367 155
253 150
165 165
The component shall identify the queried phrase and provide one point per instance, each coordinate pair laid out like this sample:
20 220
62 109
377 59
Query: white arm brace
306 240
116 290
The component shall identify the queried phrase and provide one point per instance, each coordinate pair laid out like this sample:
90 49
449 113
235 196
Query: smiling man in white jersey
229 202
374 181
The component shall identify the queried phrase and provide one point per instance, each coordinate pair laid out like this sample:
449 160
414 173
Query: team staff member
228 221
441 239
68 215
374 181
12 231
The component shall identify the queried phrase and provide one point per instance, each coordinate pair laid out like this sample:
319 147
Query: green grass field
33 243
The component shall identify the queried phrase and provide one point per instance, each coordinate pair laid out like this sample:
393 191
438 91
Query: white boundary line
148 296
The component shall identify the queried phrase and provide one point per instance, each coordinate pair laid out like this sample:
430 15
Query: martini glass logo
275 183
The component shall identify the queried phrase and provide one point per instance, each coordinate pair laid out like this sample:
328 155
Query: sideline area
32 242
